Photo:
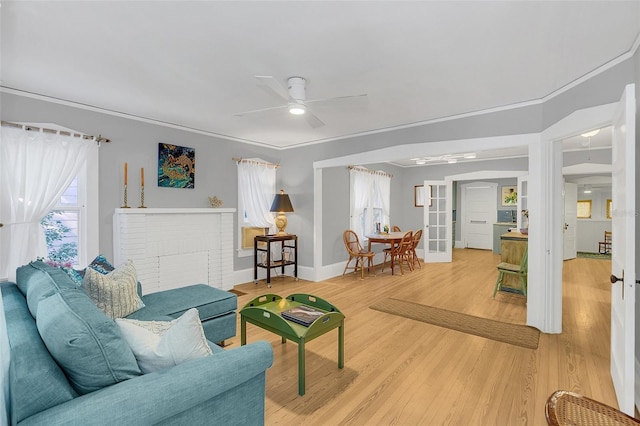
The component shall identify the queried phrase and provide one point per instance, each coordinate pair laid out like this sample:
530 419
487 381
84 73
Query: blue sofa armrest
195 392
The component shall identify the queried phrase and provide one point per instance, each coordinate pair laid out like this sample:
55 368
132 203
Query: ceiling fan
296 99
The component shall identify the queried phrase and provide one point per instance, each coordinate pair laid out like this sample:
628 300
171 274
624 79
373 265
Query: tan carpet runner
519 335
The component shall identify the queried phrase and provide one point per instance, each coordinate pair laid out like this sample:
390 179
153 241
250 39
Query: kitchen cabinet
499 229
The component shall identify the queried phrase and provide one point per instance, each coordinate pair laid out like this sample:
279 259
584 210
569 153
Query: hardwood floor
403 372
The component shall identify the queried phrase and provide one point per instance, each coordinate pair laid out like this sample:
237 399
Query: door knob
615 279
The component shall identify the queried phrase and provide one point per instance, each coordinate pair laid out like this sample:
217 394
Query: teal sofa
69 365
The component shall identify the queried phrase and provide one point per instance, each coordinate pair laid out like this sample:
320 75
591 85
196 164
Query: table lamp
281 205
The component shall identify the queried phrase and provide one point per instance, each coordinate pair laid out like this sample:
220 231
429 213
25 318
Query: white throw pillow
115 293
162 344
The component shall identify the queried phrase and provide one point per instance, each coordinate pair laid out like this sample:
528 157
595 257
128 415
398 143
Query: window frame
584 205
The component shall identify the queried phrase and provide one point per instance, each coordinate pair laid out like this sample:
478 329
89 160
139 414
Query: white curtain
256 189
382 185
36 167
361 185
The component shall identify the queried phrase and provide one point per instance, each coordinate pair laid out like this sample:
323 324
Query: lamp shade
282 203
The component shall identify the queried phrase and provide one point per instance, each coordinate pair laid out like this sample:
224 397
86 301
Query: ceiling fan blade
270 83
352 100
263 111
312 120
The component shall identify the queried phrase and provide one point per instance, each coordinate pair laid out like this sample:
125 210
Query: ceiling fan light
296 109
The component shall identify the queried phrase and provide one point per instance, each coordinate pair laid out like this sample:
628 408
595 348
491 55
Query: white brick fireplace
175 247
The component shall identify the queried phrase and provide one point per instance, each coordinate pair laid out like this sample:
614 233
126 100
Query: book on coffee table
304 315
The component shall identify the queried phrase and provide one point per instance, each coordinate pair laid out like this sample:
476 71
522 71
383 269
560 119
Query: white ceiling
193 64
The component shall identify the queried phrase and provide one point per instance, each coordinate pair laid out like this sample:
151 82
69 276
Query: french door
437 221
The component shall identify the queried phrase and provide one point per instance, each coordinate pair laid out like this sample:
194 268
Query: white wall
591 231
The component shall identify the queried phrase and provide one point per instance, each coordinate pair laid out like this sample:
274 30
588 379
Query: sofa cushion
35 380
211 302
37 280
84 341
114 293
162 344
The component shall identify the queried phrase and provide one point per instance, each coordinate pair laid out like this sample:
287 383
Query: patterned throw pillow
115 292
163 344
100 264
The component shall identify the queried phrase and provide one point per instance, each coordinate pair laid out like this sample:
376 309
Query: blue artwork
176 166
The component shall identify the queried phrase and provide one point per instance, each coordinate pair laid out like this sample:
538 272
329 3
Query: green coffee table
264 312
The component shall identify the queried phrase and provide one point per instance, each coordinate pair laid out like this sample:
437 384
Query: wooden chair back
405 244
352 242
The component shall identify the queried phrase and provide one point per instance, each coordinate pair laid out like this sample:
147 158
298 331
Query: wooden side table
287 241
264 312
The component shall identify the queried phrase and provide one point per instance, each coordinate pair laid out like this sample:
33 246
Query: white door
570 220
437 221
623 253
478 214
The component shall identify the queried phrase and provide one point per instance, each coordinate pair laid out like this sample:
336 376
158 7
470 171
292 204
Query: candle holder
125 206
142 206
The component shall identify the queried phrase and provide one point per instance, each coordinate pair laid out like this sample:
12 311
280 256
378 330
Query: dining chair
417 236
400 253
355 251
520 270
396 228
564 408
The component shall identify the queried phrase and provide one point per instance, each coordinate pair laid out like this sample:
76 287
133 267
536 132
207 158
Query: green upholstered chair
513 269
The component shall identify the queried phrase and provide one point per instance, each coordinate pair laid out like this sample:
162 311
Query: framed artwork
421 195
609 216
176 166
509 196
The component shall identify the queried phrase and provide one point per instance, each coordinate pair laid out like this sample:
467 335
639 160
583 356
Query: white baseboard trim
637 384
305 273
246 275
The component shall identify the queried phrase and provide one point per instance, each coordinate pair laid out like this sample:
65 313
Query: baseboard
637 384
246 275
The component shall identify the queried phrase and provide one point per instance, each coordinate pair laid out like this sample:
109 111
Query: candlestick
142 177
142 206
125 174
125 206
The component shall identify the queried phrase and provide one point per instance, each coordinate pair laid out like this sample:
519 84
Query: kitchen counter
500 228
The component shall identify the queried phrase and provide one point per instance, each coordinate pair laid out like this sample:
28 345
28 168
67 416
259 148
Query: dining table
391 238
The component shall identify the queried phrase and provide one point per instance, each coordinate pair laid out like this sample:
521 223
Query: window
256 190
370 197
62 226
584 209
72 225
39 151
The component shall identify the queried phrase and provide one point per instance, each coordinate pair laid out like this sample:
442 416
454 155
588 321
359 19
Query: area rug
589 255
519 335
237 292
